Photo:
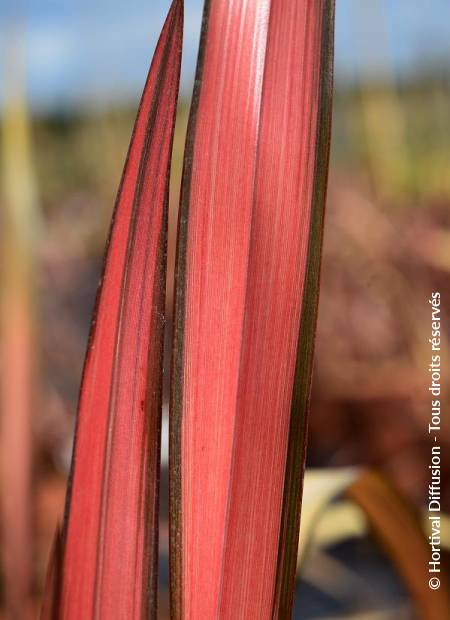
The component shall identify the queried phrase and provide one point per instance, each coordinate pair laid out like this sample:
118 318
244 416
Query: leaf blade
242 265
110 531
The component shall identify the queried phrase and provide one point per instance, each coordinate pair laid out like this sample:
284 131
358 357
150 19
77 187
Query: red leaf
250 235
110 536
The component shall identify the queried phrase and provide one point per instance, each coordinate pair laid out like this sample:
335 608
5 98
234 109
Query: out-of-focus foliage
19 226
396 139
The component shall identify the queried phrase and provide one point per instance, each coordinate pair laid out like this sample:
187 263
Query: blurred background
71 75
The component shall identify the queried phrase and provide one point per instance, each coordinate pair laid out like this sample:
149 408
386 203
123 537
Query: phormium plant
248 258
109 538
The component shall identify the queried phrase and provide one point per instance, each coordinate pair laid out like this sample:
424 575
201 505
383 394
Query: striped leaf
250 233
110 534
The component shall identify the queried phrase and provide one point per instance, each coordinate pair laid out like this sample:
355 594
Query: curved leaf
110 534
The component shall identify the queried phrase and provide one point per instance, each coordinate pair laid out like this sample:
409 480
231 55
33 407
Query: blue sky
99 50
